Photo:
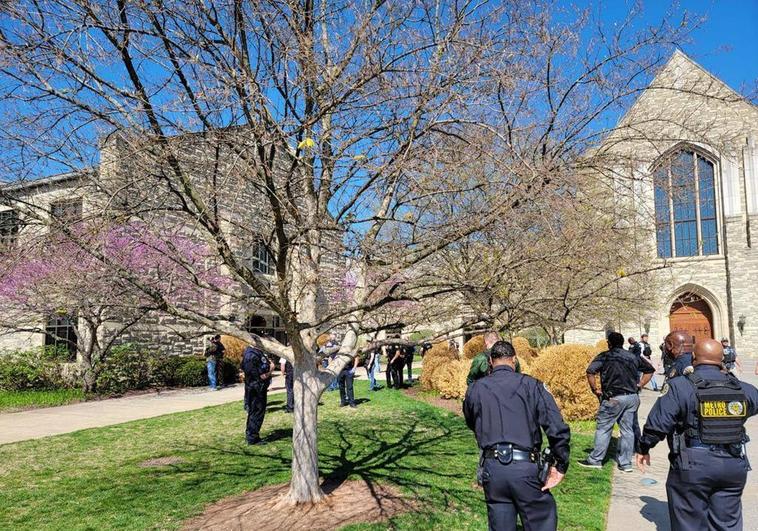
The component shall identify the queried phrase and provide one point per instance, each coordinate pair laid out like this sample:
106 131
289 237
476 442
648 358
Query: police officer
289 383
506 411
730 356
409 351
396 364
703 414
678 346
257 369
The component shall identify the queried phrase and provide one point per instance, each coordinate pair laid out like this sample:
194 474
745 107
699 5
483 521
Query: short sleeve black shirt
619 371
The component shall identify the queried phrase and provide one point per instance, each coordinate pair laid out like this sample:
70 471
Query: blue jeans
347 394
653 383
211 373
370 372
619 409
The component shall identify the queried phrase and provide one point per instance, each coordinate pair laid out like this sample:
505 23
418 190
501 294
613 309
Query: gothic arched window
685 206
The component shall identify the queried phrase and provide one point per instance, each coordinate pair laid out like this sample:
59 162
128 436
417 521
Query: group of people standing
701 412
258 371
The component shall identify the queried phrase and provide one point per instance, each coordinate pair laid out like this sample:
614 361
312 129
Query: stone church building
694 185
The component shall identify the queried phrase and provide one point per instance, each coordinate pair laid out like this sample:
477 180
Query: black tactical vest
721 410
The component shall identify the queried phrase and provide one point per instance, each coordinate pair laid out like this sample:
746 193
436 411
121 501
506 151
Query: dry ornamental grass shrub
602 345
563 368
450 378
233 348
473 346
439 355
322 340
525 352
525 364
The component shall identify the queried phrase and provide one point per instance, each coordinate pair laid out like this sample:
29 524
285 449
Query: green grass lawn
92 479
16 400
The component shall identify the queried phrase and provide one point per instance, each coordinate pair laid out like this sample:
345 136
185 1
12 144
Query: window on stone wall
685 206
10 224
256 324
60 332
67 210
260 259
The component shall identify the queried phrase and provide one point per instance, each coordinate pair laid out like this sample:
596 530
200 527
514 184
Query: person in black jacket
397 363
508 412
619 372
257 369
289 384
409 351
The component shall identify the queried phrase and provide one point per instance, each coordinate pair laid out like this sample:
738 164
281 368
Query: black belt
715 447
493 452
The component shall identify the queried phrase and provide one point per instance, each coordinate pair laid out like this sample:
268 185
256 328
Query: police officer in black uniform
289 384
506 411
257 369
409 351
703 415
678 346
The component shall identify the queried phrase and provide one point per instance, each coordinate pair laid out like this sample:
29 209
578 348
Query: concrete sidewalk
639 502
37 423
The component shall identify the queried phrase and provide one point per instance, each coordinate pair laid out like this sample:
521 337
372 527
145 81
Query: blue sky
726 44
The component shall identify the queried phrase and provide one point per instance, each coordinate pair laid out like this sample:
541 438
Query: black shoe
288 410
587 464
343 405
353 406
256 442
626 469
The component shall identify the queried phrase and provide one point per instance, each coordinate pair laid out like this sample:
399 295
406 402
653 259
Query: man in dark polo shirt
619 400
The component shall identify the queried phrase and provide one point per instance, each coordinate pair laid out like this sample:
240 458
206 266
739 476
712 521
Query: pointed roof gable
682 73
682 103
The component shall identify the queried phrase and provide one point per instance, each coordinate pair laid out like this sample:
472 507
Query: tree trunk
88 377
305 485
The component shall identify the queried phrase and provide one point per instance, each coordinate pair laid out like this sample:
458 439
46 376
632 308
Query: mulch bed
161 461
445 403
346 503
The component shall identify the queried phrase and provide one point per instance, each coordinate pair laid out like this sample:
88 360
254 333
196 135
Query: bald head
676 343
490 338
708 352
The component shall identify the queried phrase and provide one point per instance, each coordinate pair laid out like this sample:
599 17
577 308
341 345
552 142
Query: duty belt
695 443
508 452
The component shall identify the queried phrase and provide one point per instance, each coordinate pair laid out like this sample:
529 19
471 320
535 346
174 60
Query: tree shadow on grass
423 458
414 461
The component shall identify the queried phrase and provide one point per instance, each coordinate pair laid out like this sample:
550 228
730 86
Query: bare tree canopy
329 154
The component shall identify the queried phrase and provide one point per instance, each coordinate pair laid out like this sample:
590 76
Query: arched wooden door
691 314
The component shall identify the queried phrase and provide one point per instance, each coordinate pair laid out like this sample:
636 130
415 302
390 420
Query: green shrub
126 368
420 335
32 369
231 371
192 373
163 370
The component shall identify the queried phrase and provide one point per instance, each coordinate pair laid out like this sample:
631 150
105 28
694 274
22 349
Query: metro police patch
665 389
